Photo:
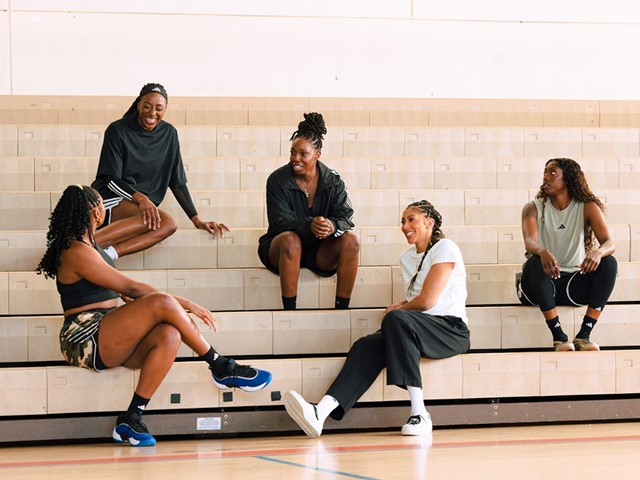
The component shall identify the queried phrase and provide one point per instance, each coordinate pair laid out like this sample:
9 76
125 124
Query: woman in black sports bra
144 333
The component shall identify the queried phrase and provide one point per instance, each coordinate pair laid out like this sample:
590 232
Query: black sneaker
244 377
131 429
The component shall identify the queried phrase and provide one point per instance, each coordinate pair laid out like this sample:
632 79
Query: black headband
147 89
153 87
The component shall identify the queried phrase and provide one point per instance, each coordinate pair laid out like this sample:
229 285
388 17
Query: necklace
304 187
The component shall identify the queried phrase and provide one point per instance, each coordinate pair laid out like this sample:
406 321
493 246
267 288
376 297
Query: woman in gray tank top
569 252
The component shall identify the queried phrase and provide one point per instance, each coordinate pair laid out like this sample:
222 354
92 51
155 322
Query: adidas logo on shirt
561 226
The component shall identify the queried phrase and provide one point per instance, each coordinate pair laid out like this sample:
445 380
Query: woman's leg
411 335
154 356
364 362
592 289
539 289
341 253
122 329
126 232
284 253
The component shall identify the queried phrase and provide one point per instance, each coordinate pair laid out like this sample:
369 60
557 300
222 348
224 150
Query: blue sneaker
131 429
243 377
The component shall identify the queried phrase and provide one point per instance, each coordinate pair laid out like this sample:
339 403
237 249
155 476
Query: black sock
556 330
218 362
342 303
587 325
289 303
137 405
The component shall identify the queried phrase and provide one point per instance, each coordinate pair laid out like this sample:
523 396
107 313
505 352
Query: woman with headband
139 161
430 323
143 334
310 219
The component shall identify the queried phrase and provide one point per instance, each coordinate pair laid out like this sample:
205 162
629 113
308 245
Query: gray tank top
562 233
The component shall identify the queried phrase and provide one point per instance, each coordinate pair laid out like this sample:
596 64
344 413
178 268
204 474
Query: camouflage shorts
78 339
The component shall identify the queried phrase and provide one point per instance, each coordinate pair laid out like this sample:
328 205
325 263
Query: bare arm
432 287
83 261
532 241
595 219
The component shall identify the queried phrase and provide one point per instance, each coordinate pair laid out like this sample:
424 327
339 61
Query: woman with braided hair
430 323
565 265
139 161
310 219
144 333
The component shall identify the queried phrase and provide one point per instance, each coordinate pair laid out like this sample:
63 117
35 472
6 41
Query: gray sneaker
583 345
563 346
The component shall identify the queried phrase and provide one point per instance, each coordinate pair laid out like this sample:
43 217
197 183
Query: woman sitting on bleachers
144 334
564 267
430 323
310 218
140 159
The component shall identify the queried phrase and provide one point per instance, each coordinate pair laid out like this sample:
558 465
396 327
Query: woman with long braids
565 265
139 161
430 323
144 333
310 218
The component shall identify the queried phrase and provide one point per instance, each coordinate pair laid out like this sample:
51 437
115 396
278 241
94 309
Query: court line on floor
317 469
301 450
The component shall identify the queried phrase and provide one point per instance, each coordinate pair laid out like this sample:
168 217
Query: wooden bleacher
478 161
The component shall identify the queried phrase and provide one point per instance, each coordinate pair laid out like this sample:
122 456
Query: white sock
327 405
111 252
417 401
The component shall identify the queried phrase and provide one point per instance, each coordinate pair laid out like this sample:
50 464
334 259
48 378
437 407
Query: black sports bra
83 292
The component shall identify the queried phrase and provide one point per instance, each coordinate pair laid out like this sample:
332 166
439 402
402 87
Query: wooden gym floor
584 451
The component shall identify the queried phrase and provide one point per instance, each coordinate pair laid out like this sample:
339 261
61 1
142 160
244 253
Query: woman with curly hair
430 323
144 333
565 265
310 219
139 161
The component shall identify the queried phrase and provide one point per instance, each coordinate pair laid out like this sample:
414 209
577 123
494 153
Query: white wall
565 49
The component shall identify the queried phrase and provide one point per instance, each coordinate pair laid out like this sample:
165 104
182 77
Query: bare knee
168 225
161 303
168 336
290 244
349 245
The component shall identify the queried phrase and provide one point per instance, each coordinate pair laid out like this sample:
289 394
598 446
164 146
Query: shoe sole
415 434
132 441
295 411
592 349
222 386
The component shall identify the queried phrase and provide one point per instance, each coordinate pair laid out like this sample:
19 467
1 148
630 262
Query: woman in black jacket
310 219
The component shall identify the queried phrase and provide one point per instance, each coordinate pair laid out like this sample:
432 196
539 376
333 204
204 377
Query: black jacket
287 204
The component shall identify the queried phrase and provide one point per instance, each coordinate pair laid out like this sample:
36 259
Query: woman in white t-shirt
430 323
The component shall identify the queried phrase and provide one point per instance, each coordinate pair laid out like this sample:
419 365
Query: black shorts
307 259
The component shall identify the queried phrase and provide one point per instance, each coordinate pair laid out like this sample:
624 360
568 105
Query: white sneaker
303 412
418 425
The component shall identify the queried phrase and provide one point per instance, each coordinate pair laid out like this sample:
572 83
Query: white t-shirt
452 298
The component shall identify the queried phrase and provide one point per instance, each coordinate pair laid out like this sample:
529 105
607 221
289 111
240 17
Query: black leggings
574 289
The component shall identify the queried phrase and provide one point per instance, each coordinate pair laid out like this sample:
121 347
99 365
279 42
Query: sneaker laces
414 420
244 371
135 424
235 370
